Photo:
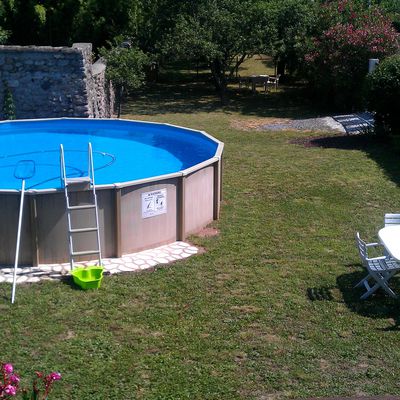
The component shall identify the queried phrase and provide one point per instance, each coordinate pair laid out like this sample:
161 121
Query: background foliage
383 93
327 42
339 53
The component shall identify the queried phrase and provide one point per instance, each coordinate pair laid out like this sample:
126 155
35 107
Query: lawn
268 310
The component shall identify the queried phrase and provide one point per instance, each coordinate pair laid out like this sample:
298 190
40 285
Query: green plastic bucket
88 277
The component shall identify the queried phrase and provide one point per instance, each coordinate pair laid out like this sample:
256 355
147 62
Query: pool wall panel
9 206
51 225
199 199
51 228
138 233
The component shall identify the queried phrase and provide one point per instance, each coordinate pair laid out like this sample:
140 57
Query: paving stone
185 255
123 268
176 251
143 256
33 279
161 260
189 251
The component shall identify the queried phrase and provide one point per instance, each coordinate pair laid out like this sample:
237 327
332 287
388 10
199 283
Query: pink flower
55 376
10 390
8 368
14 378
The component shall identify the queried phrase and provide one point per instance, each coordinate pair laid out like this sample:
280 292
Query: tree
125 69
338 56
3 32
3 35
383 93
99 21
223 33
61 22
45 22
295 21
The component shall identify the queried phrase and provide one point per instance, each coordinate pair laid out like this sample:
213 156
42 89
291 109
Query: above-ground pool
137 164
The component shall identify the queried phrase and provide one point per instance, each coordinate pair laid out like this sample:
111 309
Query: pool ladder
79 184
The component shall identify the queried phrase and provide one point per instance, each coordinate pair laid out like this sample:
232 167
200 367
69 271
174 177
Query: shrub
9 105
338 55
125 69
383 95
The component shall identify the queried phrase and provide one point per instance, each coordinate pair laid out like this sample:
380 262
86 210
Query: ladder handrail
62 166
93 184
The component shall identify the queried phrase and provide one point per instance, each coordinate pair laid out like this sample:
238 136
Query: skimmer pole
24 169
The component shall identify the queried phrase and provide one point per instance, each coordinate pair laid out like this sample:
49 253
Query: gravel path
325 124
349 123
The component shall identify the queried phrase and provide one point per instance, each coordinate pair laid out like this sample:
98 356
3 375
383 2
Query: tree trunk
119 95
219 79
280 68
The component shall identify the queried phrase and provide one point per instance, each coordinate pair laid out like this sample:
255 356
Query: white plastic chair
392 219
380 270
274 80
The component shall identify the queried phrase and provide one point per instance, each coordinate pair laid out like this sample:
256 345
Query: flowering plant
337 58
10 387
9 384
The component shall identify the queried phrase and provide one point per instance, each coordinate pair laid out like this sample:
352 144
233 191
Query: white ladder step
83 207
85 253
80 230
78 180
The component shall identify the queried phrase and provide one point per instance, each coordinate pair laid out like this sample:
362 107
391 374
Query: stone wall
51 82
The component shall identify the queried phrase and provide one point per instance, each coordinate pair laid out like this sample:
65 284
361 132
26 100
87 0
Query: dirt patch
319 124
208 232
256 124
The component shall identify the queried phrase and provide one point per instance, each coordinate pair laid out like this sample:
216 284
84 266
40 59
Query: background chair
380 269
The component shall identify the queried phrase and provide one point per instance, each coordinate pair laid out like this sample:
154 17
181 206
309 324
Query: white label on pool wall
154 203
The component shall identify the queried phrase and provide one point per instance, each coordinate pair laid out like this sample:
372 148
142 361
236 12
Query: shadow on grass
197 97
382 151
69 281
378 305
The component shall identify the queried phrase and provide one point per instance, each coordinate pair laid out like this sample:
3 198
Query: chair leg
381 280
362 281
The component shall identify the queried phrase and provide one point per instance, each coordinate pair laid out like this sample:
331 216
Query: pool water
123 150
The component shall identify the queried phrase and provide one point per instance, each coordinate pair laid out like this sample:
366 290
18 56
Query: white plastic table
390 238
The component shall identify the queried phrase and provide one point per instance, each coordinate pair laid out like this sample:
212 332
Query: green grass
268 311
257 65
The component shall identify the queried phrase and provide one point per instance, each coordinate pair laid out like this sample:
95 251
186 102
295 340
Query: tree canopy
220 33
